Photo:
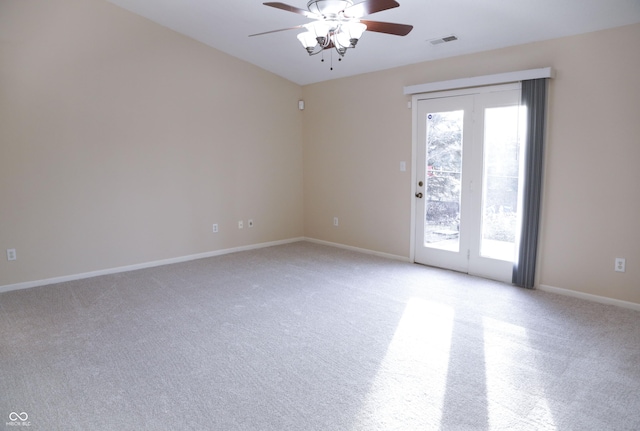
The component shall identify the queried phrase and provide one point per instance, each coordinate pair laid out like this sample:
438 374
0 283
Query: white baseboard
360 250
590 297
37 283
55 280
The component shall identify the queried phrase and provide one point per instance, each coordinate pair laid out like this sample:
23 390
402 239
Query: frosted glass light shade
342 39
319 28
354 29
307 39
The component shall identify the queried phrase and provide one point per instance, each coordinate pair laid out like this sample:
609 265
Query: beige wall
358 129
122 142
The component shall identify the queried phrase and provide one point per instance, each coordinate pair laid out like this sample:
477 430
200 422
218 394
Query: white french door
467 180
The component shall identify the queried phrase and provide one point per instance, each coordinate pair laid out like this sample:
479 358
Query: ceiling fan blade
388 27
276 31
368 7
293 9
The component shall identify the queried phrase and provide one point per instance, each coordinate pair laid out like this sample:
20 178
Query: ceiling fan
337 23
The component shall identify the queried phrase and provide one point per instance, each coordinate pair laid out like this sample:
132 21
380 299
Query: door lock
419 195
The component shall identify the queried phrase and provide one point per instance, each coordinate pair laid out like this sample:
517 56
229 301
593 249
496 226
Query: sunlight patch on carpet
514 388
410 385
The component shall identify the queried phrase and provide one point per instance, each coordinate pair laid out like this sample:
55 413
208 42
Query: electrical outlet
621 263
240 224
335 221
250 222
11 254
215 228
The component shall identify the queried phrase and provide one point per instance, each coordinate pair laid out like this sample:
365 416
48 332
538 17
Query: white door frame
415 141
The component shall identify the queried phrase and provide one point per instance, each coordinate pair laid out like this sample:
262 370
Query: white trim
480 81
357 249
470 91
63 279
414 178
590 297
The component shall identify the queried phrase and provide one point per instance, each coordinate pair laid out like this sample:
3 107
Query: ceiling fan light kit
321 35
337 23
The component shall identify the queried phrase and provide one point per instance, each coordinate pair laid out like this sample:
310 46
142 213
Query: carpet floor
309 337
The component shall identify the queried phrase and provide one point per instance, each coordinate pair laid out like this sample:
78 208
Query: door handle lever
419 195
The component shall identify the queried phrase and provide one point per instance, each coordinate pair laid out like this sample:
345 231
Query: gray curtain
534 97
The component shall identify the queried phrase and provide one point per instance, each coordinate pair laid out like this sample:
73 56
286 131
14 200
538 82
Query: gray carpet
309 337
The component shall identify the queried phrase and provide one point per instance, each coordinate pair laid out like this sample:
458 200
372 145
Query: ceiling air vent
443 40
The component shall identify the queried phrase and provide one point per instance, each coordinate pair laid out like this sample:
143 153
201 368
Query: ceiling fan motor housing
328 8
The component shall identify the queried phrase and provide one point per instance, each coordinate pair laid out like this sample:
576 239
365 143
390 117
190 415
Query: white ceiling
479 26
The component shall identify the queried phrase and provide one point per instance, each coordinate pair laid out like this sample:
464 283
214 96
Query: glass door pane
501 170
443 180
